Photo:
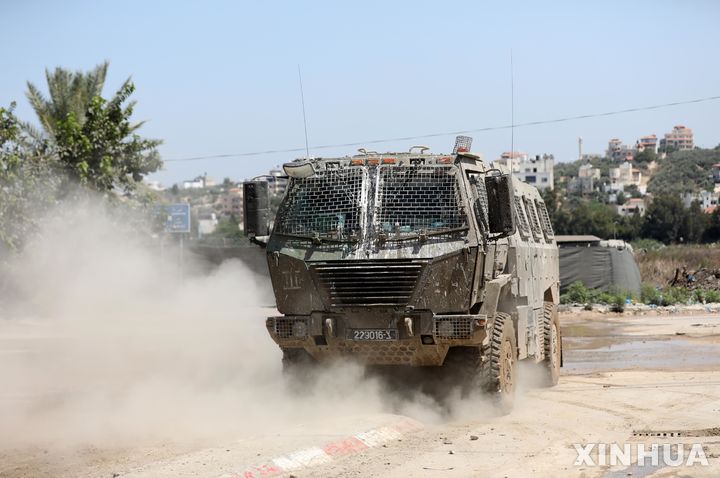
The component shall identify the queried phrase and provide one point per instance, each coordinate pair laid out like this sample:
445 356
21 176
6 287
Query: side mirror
256 208
501 220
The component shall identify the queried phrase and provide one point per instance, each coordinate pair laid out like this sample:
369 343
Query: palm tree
70 92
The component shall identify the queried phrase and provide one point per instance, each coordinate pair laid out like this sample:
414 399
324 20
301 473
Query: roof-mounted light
299 169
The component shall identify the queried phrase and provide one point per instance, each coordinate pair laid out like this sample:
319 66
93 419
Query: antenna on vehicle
512 108
302 100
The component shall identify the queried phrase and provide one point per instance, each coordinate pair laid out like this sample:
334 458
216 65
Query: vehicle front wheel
499 360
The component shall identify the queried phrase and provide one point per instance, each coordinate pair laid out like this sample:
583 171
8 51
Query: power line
453 133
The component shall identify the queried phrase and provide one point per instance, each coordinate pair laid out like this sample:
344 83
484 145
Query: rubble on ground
703 278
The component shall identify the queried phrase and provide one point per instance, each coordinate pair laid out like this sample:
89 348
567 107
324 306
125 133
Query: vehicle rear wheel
498 363
552 343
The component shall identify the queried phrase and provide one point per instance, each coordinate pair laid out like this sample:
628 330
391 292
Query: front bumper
423 338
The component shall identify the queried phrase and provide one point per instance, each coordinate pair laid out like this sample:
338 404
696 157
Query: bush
617 303
706 295
650 294
646 244
712 296
576 293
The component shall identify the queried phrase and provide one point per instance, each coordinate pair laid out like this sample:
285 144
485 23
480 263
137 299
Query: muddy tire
498 366
552 344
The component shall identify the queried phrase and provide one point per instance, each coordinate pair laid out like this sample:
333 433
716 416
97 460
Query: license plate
372 334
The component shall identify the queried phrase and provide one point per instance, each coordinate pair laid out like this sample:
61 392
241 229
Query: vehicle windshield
418 198
405 199
326 204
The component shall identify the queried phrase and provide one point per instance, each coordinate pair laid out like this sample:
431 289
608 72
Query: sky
221 77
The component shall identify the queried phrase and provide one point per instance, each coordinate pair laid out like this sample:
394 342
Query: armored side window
521 218
532 216
544 220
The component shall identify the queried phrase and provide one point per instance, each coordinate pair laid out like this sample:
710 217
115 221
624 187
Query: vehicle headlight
299 328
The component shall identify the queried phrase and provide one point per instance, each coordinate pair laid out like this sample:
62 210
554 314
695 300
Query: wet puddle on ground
586 354
601 345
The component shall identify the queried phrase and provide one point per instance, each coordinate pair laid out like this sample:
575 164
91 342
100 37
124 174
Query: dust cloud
106 340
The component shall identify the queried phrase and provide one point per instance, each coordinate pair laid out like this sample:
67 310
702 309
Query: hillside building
680 138
647 143
536 170
632 206
708 200
625 175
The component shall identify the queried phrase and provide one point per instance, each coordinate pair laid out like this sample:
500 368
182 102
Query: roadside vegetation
577 293
85 144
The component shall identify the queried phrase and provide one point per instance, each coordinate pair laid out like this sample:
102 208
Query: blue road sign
178 217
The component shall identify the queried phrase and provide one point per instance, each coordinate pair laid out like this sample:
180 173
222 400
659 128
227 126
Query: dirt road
626 380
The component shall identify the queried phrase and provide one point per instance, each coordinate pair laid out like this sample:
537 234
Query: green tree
69 92
665 219
620 198
695 223
684 171
229 229
633 191
27 182
712 231
645 156
592 217
103 151
630 227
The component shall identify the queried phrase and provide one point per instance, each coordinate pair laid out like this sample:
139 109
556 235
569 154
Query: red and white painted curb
322 455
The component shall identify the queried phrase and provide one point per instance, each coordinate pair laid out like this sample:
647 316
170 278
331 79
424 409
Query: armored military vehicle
415 259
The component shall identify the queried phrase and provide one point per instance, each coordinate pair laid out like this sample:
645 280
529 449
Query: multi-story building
614 148
648 143
196 183
231 203
199 182
586 181
680 138
617 151
632 206
624 176
708 200
537 170
716 173
277 181
206 221
588 171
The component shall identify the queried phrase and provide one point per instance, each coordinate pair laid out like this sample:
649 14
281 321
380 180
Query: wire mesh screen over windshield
418 197
327 203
